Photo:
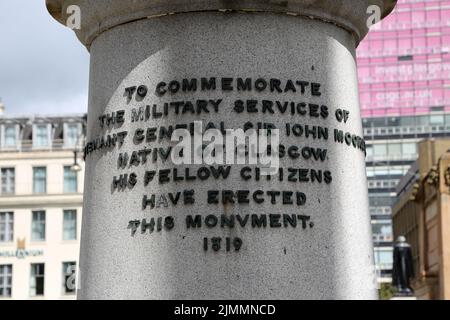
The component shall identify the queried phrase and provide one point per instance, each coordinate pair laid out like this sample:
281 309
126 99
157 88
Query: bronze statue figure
403 269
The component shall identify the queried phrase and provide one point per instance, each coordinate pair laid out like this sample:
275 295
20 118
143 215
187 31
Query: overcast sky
43 67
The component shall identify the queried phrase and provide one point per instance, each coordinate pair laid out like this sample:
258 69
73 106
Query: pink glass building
404 63
404 76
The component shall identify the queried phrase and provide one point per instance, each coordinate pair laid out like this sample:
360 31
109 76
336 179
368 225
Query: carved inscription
143 156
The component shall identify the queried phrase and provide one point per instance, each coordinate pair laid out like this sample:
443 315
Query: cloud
43 66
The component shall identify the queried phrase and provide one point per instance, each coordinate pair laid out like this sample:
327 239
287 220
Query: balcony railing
388 131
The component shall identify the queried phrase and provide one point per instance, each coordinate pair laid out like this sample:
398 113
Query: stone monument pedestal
153 229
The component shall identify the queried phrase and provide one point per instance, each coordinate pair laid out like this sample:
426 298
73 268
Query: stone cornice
41 201
97 16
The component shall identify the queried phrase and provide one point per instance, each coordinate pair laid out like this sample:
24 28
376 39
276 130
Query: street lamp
75 167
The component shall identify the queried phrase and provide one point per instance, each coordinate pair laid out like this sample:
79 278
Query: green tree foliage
386 291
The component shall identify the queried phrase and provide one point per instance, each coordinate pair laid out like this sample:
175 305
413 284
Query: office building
41 195
404 75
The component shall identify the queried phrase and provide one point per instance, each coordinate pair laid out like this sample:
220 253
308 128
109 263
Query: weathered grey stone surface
101 15
330 260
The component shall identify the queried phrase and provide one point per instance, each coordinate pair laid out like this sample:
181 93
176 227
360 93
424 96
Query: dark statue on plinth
403 268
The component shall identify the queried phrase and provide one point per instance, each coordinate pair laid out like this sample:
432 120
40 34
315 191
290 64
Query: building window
379 150
70 225
381 171
409 148
407 121
6 226
37 279
382 231
39 180
5 281
405 58
394 150
10 136
38 226
447 119
70 180
369 152
72 134
8 181
423 120
437 119
383 258
41 136
69 277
